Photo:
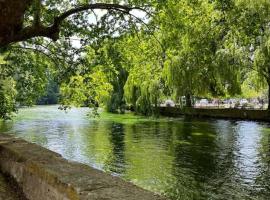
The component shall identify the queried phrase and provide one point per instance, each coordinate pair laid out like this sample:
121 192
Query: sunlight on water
181 158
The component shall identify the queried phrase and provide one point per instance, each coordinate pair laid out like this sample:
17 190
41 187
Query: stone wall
261 115
45 175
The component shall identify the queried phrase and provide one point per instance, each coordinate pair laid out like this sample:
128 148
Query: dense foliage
117 59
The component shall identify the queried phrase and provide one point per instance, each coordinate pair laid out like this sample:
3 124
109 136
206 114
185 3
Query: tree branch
103 6
146 25
53 31
37 11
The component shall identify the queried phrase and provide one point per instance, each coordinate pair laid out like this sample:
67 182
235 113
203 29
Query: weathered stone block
45 175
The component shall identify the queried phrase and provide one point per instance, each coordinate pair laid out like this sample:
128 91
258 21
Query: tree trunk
188 101
11 17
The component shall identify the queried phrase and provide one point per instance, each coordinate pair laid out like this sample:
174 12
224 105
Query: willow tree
199 60
252 33
108 59
262 63
144 87
190 42
262 47
110 56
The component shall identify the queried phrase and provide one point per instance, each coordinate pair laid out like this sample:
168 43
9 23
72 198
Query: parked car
204 102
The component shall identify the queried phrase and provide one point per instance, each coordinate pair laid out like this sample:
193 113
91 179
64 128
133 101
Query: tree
251 32
23 78
252 87
25 19
262 62
30 72
144 88
51 95
47 30
92 90
110 57
199 62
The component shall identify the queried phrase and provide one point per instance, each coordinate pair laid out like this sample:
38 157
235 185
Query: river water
180 158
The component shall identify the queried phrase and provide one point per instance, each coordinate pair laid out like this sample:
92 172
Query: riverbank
225 113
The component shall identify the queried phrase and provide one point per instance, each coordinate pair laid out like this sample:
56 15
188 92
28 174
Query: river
181 158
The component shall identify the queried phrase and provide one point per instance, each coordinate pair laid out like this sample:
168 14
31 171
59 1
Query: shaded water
181 158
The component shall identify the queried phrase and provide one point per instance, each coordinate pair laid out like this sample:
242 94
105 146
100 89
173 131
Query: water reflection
116 162
181 158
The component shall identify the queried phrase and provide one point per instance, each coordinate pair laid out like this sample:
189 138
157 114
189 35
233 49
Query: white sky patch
140 14
75 42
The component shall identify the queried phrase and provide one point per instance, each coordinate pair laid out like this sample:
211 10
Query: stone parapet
45 175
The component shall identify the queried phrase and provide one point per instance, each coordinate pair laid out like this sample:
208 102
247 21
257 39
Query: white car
204 102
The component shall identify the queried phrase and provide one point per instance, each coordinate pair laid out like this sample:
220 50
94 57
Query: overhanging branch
52 31
103 6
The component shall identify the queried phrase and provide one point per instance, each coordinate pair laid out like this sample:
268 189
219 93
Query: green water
181 158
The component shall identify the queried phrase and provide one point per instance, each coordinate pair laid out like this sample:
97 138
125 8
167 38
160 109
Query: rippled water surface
181 158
